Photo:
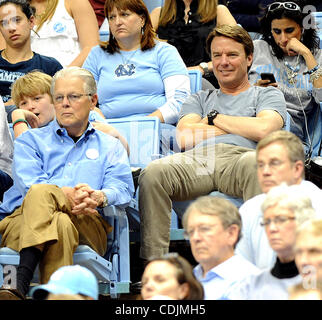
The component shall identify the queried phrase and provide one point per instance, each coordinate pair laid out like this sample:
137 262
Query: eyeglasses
286 5
279 220
203 230
273 165
72 97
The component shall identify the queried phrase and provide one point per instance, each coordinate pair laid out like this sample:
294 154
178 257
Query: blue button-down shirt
48 155
218 281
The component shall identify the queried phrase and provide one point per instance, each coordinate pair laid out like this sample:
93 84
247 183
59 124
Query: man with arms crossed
221 129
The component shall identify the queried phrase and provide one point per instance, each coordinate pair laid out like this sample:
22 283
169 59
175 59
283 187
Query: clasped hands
83 199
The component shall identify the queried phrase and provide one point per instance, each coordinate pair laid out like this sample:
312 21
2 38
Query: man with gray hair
213 227
280 158
64 174
284 209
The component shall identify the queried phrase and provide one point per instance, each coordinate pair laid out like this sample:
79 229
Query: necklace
125 68
4 55
291 71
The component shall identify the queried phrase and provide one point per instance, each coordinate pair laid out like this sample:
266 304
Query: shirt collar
224 270
63 132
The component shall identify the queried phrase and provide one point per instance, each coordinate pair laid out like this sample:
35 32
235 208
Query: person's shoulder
47 60
161 45
268 91
109 141
44 58
260 43
312 190
246 264
97 49
34 134
254 202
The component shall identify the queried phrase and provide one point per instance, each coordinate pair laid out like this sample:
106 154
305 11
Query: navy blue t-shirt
9 72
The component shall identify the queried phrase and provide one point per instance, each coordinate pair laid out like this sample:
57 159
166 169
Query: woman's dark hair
184 274
23 4
138 7
309 35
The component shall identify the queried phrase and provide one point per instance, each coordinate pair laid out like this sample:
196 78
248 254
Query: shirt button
69 163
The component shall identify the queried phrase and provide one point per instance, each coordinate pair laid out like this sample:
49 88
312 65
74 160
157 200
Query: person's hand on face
295 47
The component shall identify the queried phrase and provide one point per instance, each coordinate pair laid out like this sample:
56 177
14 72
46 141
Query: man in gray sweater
219 131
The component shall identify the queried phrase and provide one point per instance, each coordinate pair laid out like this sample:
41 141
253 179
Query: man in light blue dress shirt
63 173
283 152
213 227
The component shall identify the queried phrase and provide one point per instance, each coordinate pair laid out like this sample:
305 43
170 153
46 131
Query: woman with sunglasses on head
290 50
170 277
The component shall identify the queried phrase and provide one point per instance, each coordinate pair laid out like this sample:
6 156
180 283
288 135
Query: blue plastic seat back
195 80
143 137
318 20
315 130
151 4
104 31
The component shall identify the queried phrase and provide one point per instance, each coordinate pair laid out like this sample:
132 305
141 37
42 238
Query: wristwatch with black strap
204 67
211 116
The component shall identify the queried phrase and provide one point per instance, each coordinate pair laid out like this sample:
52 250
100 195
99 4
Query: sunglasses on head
286 5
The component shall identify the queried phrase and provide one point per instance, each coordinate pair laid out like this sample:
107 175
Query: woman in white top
65 29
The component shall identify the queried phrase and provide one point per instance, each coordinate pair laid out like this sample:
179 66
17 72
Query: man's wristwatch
211 116
105 202
204 67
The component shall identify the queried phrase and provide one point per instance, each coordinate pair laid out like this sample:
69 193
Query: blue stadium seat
315 130
195 80
104 31
318 21
143 136
112 271
151 4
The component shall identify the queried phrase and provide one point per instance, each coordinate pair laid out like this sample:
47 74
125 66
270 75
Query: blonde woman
65 29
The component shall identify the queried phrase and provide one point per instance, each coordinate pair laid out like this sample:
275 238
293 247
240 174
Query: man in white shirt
213 227
280 158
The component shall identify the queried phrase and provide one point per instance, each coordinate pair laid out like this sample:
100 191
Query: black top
247 12
189 39
284 270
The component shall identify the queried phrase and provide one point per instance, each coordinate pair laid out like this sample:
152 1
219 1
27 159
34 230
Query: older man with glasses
64 174
280 158
213 227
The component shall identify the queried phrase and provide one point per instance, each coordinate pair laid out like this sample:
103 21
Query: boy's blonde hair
30 85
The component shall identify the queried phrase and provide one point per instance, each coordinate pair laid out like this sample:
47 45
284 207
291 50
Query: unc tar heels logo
59 27
125 70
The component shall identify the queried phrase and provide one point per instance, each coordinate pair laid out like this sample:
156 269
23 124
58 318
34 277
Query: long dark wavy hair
309 35
148 39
